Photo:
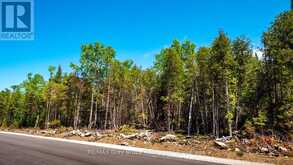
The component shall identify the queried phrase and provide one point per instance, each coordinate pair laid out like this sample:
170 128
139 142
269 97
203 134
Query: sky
136 29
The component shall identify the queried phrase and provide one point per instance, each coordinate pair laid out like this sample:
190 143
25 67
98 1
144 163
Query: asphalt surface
21 150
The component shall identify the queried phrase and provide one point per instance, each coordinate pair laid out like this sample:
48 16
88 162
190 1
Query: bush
4 124
249 130
55 124
126 129
15 124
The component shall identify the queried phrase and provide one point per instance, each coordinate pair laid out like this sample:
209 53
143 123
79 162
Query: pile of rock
148 136
221 145
224 139
143 135
129 137
168 138
82 133
264 144
274 150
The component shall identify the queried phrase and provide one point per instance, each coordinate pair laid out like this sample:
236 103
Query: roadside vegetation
224 92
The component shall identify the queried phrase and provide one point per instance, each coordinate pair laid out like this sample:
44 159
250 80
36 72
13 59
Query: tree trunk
96 114
217 118
207 126
228 107
169 116
143 113
238 108
91 111
48 115
214 111
114 114
107 105
37 121
189 114
76 121
179 116
238 111
197 100
202 119
120 109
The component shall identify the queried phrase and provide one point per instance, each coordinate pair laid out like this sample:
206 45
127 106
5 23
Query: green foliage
15 125
277 71
260 120
229 116
4 123
95 59
55 124
127 129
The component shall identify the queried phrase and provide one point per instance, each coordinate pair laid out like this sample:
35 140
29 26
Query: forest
215 90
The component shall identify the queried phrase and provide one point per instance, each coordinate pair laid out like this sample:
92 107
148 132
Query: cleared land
249 149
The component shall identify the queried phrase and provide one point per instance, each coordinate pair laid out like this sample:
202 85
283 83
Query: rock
188 137
67 134
87 134
237 150
145 135
130 137
73 132
224 138
245 141
264 150
221 145
283 150
97 134
43 132
124 144
82 134
235 132
52 132
76 132
184 142
169 138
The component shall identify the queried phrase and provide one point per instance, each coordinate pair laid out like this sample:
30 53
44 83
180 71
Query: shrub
260 120
16 124
4 123
126 129
55 124
249 130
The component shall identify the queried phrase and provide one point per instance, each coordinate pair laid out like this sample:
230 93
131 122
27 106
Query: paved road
21 150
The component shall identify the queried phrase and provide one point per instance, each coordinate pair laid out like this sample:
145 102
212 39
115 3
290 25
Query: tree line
211 90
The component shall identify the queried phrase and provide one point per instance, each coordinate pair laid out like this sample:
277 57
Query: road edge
152 152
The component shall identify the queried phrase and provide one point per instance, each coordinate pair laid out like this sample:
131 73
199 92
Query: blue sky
137 29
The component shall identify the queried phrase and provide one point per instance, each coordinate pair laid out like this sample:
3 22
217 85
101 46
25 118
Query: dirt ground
200 145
